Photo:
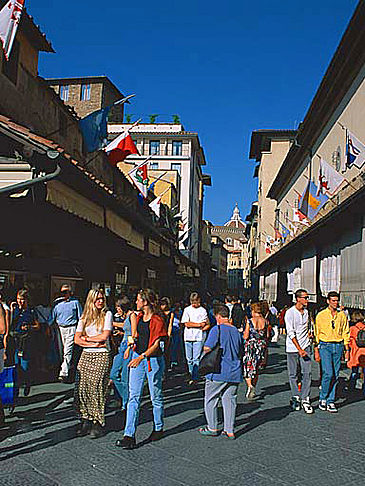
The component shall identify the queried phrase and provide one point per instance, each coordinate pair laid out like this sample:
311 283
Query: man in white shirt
196 322
298 349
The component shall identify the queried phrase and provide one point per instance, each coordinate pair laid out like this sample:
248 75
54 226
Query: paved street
274 445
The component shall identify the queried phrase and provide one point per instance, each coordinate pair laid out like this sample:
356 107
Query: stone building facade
88 94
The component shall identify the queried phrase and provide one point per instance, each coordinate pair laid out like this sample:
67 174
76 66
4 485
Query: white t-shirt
296 325
194 314
91 330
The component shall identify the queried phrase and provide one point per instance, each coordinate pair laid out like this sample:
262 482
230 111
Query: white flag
155 205
329 180
355 151
10 16
299 217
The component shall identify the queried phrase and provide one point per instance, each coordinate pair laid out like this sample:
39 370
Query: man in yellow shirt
332 334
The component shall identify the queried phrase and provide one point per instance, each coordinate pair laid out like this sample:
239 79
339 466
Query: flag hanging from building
120 148
155 205
355 151
311 202
139 177
10 16
284 231
268 244
329 180
94 129
298 217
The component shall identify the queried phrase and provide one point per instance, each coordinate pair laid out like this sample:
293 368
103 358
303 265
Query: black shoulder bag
211 361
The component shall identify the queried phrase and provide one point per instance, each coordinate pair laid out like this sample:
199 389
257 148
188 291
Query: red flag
120 148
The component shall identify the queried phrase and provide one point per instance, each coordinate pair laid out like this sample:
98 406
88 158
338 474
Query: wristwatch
143 354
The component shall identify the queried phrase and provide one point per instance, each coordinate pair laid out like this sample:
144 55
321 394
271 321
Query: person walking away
332 335
223 385
256 338
66 313
237 314
275 323
281 318
25 327
168 316
356 361
119 373
147 362
93 369
176 344
228 302
3 332
196 323
298 349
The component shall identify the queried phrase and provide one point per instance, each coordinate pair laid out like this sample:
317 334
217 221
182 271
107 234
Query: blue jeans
175 345
136 382
330 354
119 374
193 350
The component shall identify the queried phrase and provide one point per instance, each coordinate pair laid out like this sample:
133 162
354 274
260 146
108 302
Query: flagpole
157 179
139 165
124 100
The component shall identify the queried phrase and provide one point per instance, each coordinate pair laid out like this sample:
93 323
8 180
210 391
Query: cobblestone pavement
273 446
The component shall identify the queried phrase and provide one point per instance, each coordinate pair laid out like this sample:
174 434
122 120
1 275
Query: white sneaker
307 407
251 393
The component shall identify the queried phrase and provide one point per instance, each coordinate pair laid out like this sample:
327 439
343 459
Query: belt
331 342
64 327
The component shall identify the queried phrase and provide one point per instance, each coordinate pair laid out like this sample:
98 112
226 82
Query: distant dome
235 221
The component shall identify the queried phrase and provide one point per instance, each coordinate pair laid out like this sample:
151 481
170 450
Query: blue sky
226 68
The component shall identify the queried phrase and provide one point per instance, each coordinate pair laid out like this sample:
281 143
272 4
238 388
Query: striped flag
10 16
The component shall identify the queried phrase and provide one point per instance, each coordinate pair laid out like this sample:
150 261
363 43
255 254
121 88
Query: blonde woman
92 334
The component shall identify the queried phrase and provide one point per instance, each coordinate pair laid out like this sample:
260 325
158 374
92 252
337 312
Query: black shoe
155 436
84 428
126 443
26 390
96 431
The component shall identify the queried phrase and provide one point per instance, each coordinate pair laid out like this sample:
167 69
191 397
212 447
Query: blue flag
311 202
94 129
284 231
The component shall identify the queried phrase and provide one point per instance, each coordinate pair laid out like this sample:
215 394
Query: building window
176 167
154 147
85 92
10 68
153 165
64 91
176 147
229 241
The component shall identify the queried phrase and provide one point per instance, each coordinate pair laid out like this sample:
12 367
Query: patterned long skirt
92 380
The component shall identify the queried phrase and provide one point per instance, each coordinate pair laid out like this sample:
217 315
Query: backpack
360 339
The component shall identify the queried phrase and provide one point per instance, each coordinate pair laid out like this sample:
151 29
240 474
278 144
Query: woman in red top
357 354
147 362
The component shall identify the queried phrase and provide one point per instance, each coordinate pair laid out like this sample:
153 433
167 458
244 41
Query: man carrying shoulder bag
223 385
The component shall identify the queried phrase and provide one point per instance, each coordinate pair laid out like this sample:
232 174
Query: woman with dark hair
119 373
92 379
24 326
147 362
255 336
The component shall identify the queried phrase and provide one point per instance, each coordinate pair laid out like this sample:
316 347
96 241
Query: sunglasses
306 297
333 324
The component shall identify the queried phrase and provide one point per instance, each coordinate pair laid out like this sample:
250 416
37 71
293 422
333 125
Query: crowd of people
146 338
